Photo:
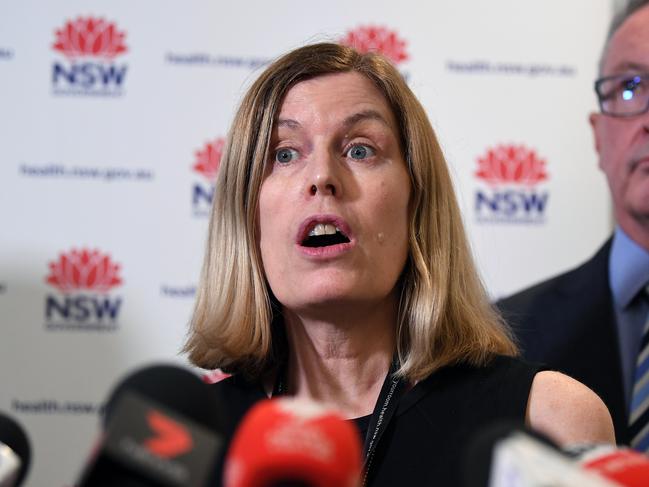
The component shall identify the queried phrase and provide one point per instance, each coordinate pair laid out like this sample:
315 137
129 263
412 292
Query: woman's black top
425 440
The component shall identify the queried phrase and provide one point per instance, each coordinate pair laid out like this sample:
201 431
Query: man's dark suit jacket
568 323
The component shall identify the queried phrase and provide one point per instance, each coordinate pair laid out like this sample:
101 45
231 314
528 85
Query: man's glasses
623 95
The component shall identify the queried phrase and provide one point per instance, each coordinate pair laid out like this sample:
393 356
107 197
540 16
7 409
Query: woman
337 269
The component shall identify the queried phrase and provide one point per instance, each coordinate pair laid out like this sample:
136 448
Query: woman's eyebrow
347 122
365 115
288 123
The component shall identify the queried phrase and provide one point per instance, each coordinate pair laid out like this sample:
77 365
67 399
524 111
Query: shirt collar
628 268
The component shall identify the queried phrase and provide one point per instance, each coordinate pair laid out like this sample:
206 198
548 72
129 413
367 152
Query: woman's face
333 205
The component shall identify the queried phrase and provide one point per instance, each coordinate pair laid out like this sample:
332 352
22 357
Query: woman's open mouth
324 235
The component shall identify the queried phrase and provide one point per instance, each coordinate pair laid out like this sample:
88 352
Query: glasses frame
600 95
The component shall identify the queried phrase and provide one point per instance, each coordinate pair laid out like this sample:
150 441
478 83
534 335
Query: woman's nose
324 175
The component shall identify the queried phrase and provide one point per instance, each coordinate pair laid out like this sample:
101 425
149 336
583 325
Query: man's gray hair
628 9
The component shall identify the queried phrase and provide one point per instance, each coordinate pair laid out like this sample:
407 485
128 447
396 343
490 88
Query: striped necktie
639 414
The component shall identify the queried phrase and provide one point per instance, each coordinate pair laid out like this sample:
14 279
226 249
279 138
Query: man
589 322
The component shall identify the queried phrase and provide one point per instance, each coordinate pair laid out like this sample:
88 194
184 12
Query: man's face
623 143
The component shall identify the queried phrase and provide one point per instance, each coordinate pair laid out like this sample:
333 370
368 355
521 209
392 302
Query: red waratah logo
84 270
90 37
209 158
511 164
377 39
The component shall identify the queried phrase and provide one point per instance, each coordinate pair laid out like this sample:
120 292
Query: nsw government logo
83 279
88 48
512 192
372 38
206 164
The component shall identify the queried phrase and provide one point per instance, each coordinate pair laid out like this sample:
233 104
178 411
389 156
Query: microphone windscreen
289 442
13 436
177 389
162 427
479 453
510 455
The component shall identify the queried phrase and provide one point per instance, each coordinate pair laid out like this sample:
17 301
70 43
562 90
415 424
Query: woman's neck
341 361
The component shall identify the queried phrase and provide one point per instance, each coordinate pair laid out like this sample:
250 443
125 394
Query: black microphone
479 453
509 454
15 452
163 426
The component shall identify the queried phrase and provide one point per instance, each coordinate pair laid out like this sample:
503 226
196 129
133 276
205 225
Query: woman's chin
337 303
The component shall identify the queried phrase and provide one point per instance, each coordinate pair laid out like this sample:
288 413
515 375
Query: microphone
287 442
15 452
162 427
626 467
506 454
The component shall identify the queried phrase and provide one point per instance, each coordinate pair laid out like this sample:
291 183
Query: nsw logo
371 38
377 39
88 47
206 164
512 189
83 280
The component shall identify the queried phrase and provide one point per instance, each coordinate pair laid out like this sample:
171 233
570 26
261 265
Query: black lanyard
386 405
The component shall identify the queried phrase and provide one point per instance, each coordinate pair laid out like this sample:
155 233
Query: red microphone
626 467
293 442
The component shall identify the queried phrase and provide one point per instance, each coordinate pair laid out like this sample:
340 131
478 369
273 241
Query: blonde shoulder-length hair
444 317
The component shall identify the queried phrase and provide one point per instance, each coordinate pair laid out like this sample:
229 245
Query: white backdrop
110 130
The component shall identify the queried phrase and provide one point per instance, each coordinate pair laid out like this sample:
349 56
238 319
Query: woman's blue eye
360 152
284 156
